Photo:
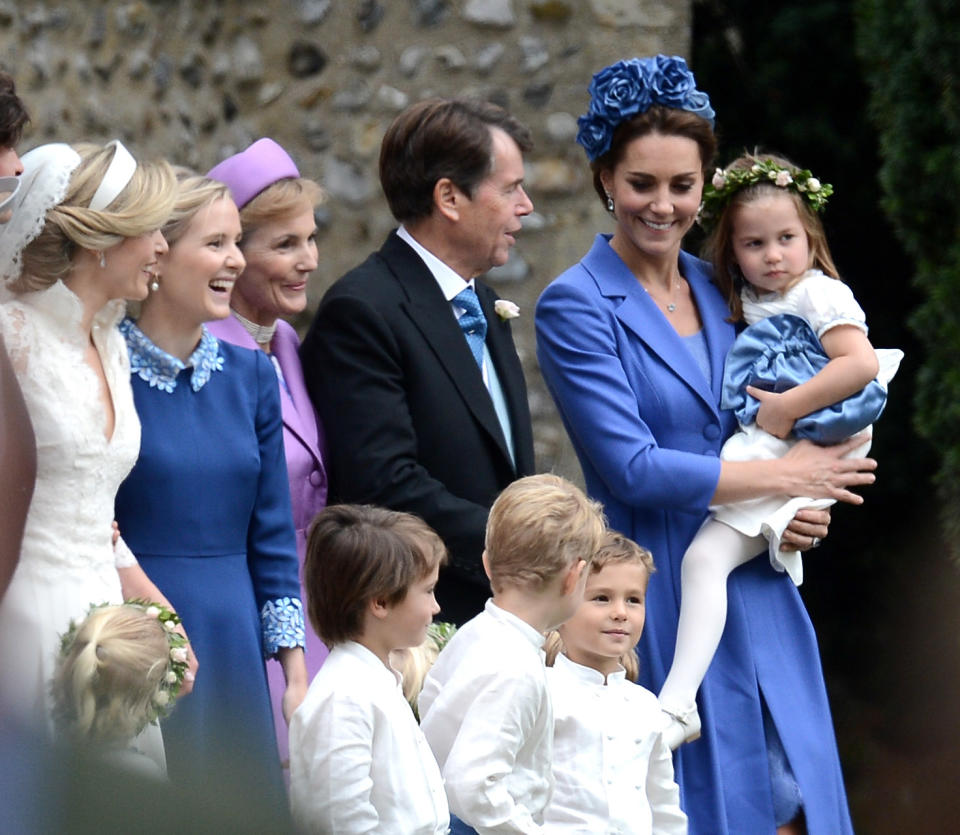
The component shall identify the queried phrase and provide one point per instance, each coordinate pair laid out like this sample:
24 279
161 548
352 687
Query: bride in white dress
84 237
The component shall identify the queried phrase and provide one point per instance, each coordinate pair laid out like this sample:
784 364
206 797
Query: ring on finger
815 542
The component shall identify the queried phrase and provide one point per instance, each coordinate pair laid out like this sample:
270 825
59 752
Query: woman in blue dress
631 342
206 509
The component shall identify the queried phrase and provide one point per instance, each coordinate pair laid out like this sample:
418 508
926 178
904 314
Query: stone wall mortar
195 82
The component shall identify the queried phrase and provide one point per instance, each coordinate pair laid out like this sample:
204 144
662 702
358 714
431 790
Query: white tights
716 550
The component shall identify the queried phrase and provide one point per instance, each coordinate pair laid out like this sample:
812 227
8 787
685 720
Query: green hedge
910 51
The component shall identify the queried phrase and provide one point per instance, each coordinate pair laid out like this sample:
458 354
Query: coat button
711 431
316 478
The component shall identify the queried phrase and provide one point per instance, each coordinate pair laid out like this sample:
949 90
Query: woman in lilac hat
279 244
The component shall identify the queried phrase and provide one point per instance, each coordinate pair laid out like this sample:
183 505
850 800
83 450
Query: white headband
119 173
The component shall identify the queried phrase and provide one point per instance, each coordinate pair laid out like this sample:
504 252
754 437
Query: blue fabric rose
594 135
698 103
620 90
670 81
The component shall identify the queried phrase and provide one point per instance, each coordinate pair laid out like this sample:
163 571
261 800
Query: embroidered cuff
283 625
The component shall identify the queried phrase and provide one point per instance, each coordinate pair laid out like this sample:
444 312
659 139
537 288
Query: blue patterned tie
473 323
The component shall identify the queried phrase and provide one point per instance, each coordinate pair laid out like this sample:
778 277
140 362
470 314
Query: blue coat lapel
638 312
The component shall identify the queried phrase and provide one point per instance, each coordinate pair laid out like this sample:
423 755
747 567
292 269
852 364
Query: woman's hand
295 673
190 676
822 472
774 415
136 585
808 528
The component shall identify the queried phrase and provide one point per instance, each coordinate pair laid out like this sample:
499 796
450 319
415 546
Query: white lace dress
68 560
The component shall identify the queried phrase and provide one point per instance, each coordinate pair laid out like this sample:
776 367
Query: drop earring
609 203
103 260
155 284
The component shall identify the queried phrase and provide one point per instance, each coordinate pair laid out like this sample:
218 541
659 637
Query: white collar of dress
155 366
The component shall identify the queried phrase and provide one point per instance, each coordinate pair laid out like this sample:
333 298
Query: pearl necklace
262 334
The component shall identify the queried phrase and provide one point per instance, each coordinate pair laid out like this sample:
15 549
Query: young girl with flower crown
803 368
612 770
118 671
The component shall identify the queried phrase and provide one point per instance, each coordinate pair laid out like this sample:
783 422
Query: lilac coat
304 446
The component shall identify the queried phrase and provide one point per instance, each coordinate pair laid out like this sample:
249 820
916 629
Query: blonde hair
141 208
278 200
106 684
718 247
538 527
193 192
616 548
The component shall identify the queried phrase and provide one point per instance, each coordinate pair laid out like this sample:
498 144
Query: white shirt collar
449 280
502 615
588 675
369 658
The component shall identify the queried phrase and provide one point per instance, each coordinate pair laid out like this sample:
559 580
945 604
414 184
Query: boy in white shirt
613 770
485 706
358 761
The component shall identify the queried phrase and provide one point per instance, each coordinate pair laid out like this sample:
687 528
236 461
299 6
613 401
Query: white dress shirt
358 761
613 772
452 283
485 710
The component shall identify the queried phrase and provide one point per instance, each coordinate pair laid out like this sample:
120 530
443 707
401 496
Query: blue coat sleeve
271 542
630 418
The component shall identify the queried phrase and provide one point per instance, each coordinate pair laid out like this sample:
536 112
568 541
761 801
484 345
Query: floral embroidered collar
155 366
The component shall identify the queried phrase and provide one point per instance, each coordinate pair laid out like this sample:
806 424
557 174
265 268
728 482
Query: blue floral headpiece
630 87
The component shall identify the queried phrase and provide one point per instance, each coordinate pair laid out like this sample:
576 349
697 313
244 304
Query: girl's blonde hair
192 193
718 247
141 208
616 548
107 682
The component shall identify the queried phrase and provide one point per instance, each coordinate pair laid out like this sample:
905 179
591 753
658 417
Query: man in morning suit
413 373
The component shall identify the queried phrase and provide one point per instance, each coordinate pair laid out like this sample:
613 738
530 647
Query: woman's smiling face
656 189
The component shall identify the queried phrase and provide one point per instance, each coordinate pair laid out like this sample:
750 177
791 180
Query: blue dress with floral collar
206 510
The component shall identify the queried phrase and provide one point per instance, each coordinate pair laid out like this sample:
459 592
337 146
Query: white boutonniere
506 309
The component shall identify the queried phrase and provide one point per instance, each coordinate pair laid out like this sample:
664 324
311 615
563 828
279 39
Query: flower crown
166 694
627 88
727 182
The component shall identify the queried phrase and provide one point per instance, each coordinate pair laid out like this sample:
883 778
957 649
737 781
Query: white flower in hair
152 611
161 698
719 179
506 309
179 654
813 184
783 179
169 625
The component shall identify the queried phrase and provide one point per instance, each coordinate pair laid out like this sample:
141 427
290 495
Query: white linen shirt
485 710
358 761
613 772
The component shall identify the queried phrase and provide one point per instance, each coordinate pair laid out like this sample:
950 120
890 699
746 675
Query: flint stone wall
197 81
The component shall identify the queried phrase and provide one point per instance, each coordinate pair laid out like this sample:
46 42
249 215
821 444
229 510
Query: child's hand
774 415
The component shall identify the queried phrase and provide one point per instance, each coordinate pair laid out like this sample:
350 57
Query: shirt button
316 478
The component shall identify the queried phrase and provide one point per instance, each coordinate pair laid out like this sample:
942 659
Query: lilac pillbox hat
251 171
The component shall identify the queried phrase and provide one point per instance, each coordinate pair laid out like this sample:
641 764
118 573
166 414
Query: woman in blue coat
206 509
631 341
